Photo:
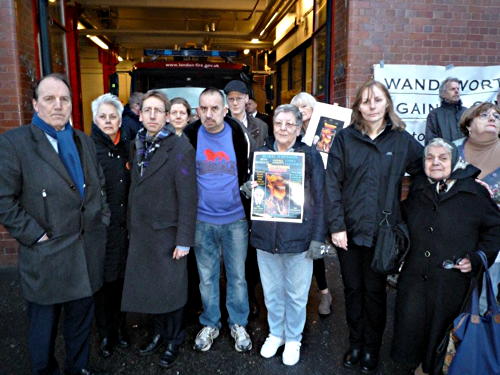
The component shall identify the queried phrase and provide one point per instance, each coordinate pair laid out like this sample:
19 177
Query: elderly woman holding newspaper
282 247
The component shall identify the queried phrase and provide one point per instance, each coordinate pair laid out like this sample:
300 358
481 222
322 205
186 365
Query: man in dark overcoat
53 203
162 216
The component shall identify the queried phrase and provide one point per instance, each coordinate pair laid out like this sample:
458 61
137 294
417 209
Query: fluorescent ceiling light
98 41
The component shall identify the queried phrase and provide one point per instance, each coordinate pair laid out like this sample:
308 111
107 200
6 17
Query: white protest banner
415 89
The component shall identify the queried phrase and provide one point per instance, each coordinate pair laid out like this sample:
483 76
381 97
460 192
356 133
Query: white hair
107 99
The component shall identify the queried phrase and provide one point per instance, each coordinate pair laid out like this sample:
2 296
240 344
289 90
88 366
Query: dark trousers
108 317
319 273
170 326
365 298
252 273
42 332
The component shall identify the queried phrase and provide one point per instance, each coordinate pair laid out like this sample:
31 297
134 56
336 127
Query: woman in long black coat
112 154
450 217
161 217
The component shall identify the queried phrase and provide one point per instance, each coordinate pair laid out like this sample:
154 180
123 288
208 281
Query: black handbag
393 241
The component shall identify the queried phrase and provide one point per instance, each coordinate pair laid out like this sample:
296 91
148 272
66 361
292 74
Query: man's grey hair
107 99
438 142
303 98
289 108
444 84
135 98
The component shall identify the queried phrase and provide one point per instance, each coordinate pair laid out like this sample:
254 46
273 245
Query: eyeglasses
150 110
486 115
288 125
449 264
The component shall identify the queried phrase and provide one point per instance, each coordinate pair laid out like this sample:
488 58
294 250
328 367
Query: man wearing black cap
237 98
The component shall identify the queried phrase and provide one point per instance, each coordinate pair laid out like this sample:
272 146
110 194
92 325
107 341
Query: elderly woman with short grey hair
282 247
112 153
305 103
450 216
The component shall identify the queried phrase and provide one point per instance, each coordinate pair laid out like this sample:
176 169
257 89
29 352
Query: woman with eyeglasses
282 247
481 147
449 216
357 180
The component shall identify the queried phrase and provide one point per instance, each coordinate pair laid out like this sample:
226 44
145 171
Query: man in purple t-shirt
221 229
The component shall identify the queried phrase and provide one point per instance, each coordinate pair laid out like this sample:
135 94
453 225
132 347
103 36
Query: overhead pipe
253 11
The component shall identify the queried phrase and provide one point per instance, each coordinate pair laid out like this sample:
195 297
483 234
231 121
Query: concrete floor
323 345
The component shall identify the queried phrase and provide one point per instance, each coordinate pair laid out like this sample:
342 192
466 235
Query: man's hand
178 253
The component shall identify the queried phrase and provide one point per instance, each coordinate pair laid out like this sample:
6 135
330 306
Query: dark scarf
68 153
146 145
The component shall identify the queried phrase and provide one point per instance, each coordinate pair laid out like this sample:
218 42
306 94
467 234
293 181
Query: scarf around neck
485 155
146 145
68 153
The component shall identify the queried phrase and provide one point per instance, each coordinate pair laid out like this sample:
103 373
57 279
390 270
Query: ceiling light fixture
255 40
246 51
98 41
269 23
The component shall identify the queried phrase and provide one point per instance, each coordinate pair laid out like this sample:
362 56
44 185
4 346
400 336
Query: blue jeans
230 241
286 279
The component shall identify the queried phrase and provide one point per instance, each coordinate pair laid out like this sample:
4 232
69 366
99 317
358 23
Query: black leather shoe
169 356
152 346
352 357
105 348
369 363
123 339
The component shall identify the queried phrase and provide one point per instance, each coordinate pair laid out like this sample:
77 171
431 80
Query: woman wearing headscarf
161 216
112 152
357 180
450 216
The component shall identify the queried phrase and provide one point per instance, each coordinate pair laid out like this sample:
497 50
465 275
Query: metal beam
239 5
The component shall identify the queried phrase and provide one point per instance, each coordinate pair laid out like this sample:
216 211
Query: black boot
169 356
106 347
352 357
369 363
151 346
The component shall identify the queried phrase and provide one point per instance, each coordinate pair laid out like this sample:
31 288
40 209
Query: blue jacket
280 237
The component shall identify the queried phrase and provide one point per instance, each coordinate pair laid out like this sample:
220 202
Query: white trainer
270 346
291 354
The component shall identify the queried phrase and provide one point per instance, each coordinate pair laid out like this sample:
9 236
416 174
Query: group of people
107 223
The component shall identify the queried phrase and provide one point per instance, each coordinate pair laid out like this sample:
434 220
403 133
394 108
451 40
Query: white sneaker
242 341
270 346
205 338
291 354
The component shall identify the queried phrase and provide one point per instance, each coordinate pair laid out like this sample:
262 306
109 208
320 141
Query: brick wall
17 72
427 32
